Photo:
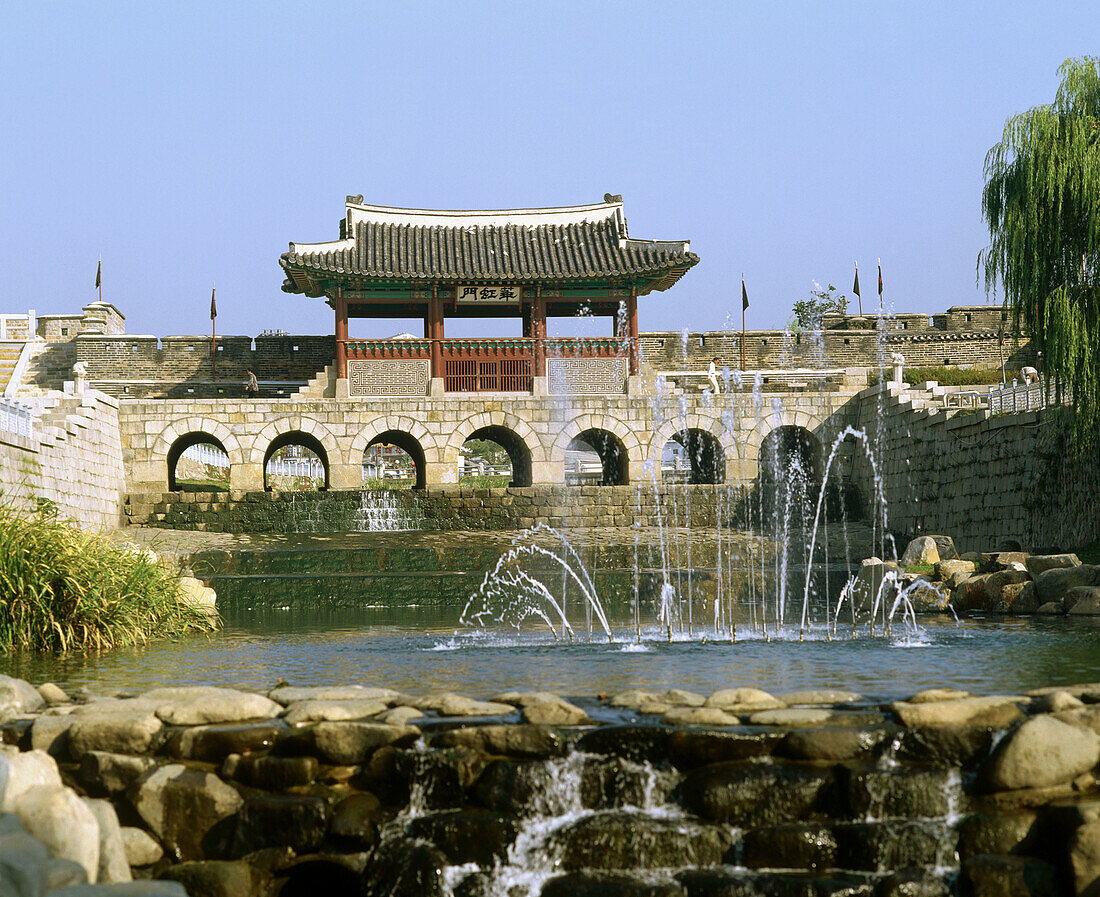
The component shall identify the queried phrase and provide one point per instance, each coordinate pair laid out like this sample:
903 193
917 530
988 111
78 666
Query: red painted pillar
435 326
341 334
538 331
632 328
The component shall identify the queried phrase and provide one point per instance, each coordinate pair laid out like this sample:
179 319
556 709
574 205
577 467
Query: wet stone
895 794
749 795
280 821
872 846
631 841
435 776
356 819
467 836
521 741
101 772
351 742
213 743
593 884
912 883
688 749
1001 833
611 782
636 743
789 847
215 878
738 883
520 788
404 868
958 745
829 745
988 875
271 773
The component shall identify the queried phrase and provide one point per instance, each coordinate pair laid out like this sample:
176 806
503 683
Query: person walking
712 376
252 387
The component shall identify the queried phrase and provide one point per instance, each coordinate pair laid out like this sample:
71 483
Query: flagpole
100 278
855 288
213 335
743 306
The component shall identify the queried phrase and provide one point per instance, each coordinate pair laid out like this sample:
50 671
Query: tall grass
945 375
62 589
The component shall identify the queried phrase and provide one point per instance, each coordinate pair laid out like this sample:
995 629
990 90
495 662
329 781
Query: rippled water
420 649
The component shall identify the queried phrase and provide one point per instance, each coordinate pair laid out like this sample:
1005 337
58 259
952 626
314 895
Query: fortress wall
74 462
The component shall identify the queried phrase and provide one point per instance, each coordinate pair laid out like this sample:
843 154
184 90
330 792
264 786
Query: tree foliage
1042 203
809 312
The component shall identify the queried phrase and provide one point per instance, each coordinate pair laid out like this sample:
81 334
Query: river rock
749 796
356 820
216 878
290 694
1053 584
900 793
102 772
353 742
993 710
23 864
52 694
945 569
457 705
17 696
271 773
1087 717
920 551
931 695
290 821
949 745
51 734
400 716
1083 601
632 841
637 743
1000 833
544 708
607 884
223 705
1043 751
691 748
125 889
793 716
521 741
20 771
116 731
634 698
1017 598
62 821
401 867
185 808
789 847
1055 701
987 875
213 743
315 711
1084 858
871 846
743 700
113 865
819 696
1040 563
467 836
140 847
830 745
1051 608
996 561
63 873
698 716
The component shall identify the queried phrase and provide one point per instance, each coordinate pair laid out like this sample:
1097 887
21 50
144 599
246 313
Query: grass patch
397 484
921 568
945 376
484 482
63 589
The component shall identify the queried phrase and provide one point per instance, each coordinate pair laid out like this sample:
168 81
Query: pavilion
526 263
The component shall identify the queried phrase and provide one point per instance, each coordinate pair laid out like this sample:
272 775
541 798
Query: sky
188 144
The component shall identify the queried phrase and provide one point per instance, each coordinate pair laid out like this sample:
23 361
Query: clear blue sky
187 143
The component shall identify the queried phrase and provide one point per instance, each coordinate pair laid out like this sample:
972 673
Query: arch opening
596 457
494 456
844 500
295 462
198 462
790 473
693 456
393 460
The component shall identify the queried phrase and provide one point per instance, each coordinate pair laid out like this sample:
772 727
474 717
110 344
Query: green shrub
63 589
945 376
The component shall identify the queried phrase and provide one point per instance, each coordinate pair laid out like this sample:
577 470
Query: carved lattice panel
388 377
586 376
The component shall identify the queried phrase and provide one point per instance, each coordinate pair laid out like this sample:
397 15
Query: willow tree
1042 203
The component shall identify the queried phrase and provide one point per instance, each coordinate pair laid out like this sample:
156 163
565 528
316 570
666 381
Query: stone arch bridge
628 431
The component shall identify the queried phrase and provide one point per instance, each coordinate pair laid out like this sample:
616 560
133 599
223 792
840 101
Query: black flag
880 283
99 274
744 296
855 286
213 307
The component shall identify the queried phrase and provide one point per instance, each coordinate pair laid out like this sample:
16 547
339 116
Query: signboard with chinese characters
470 295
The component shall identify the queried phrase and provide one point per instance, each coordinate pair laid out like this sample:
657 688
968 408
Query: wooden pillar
632 328
435 327
538 331
341 334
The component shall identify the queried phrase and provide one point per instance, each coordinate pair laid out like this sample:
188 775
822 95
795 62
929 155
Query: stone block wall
74 461
986 481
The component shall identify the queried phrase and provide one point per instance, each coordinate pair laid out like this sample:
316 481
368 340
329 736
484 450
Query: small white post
899 363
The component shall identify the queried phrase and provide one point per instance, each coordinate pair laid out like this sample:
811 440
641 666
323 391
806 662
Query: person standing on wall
712 376
252 387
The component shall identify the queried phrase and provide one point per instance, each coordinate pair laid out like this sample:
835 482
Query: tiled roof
514 246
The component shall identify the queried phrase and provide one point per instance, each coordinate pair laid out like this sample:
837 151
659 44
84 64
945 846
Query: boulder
1042 752
637 743
1056 701
213 743
218 705
113 863
698 716
297 822
1051 608
828 745
743 700
945 545
1084 858
52 694
23 864
62 821
932 695
993 710
999 833
607 884
63 873
357 819
17 696
467 836
964 746
633 698
315 711
1040 563
20 771
216 878
996 561
807 848
185 808
270 773
819 696
102 772
353 742
289 694
51 734
691 748
1084 717
448 704
871 846
929 597
988 875
543 708
1017 598
522 741
920 551
900 793
402 867
140 847
875 581
1083 601
792 716
115 731
400 716
619 841
748 795
1053 584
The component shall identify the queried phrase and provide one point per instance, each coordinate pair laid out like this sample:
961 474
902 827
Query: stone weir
364 791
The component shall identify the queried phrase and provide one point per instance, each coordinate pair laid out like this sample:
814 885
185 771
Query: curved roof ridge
358 211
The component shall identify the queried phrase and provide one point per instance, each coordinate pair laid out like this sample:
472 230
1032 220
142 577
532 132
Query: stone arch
161 453
181 445
498 421
407 433
635 448
812 423
710 424
298 437
295 423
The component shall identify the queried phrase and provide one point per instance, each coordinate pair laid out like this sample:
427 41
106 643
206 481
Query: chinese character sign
474 295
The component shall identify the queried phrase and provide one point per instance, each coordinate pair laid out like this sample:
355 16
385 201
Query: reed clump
63 589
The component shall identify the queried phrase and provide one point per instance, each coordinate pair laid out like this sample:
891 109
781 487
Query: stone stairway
323 386
9 355
51 365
